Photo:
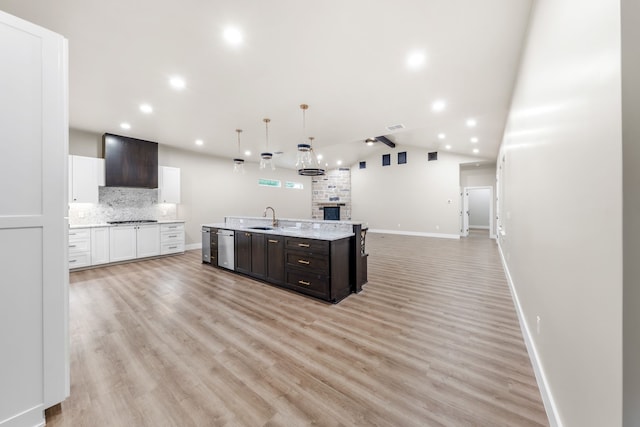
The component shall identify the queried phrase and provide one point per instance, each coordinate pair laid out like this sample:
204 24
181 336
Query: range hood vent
130 162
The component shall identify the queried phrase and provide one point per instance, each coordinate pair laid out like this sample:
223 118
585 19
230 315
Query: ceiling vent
395 127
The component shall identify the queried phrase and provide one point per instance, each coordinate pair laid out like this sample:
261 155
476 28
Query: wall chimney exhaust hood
130 162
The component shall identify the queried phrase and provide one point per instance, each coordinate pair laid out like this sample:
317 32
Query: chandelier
307 162
266 158
238 163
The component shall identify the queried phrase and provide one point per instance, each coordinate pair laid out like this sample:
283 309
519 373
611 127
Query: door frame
464 213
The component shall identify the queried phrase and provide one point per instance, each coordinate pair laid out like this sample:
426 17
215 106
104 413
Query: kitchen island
323 259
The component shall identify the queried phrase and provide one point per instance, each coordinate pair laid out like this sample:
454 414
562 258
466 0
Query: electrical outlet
538 325
316 226
81 214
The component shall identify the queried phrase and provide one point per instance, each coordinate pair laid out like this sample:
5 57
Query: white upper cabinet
168 184
85 175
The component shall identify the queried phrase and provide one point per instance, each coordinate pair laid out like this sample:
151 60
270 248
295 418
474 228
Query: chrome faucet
274 221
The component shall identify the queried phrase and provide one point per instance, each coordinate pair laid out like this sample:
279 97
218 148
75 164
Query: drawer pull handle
72 246
303 245
302 282
72 234
273 241
172 236
172 247
72 260
172 226
303 261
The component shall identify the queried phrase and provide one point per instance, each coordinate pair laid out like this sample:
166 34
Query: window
386 159
363 165
402 158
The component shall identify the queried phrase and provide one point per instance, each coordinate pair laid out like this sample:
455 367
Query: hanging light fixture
238 163
307 162
266 158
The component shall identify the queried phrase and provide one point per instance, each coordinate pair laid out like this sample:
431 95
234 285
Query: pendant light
307 162
266 158
238 163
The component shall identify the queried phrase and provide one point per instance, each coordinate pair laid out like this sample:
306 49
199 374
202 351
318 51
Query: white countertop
287 231
164 221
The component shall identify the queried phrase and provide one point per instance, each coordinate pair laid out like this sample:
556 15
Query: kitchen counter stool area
101 244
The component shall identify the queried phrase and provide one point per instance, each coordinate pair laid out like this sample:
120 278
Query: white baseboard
192 246
415 233
543 384
33 417
479 227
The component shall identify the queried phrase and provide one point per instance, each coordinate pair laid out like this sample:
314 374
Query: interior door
465 213
34 373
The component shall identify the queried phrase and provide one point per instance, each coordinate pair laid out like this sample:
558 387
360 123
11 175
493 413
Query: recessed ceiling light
448 147
476 151
339 162
233 36
319 156
474 139
177 82
247 153
199 142
441 136
438 105
471 122
146 108
416 60
124 125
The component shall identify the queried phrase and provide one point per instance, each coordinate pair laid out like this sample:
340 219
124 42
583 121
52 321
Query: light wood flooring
433 340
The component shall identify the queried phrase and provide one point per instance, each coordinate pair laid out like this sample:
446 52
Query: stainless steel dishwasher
226 246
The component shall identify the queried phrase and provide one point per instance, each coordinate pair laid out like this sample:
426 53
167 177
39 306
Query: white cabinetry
99 245
79 247
147 240
168 184
34 332
171 238
85 175
134 241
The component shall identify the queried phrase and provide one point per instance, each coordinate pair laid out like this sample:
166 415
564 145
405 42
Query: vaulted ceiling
361 65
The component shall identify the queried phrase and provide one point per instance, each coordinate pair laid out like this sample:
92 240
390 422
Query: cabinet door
148 240
258 256
169 184
99 245
122 243
243 252
84 179
275 259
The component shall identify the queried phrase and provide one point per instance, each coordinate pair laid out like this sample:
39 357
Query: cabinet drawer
79 260
171 227
171 248
308 263
83 245
310 283
79 234
172 237
307 245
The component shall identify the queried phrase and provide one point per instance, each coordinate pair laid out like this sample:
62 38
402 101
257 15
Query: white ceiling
347 59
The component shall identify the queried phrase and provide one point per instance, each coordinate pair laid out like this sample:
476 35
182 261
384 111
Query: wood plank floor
433 340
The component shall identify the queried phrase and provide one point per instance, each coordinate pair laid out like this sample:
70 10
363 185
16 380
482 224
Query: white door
477 209
84 179
465 213
148 240
122 243
34 368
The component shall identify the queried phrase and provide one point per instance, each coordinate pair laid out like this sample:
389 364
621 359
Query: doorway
477 212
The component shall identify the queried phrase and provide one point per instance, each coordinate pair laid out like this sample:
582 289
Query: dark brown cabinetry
275 259
319 268
250 254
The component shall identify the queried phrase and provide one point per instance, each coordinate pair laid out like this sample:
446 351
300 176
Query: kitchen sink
260 228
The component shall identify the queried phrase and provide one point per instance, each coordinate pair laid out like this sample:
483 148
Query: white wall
209 188
631 149
417 197
561 206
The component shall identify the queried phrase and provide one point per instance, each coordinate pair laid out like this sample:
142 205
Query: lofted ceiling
347 59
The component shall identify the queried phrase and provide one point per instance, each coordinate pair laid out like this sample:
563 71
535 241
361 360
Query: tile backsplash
121 204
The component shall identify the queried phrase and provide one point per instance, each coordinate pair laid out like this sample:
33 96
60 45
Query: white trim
415 233
32 417
479 227
543 384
